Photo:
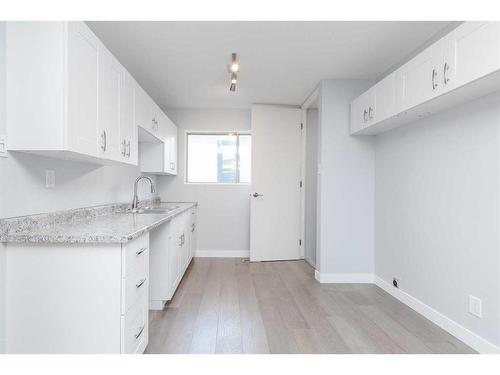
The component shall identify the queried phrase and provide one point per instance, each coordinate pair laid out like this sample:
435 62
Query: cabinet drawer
134 286
135 255
135 327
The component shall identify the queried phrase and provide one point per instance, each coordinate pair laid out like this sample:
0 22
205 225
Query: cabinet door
128 130
173 262
418 79
142 108
385 98
110 77
82 90
477 47
156 120
360 109
194 234
171 144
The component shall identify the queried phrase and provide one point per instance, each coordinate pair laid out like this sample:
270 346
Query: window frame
237 133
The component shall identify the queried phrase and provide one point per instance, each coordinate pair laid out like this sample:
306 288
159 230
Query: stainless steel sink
156 210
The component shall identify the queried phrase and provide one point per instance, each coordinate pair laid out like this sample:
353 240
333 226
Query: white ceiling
184 64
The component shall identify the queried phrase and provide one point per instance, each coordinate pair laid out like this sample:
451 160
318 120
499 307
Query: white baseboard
468 337
343 278
222 253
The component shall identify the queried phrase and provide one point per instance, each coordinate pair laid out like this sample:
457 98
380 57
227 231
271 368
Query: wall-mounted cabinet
462 66
157 137
67 95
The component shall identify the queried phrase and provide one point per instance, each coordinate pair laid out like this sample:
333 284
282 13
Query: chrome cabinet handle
434 75
141 251
192 227
140 283
172 166
124 147
255 195
445 70
103 139
138 334
128 149
365 117
370 113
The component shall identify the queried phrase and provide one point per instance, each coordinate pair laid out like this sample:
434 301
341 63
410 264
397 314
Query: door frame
315 94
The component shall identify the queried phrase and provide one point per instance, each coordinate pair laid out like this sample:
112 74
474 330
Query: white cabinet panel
363 110
385 98
83 133
477 47
143 109
110 77
418 80
128 129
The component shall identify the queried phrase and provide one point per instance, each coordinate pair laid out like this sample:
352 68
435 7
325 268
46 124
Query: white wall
311 186
22 183
438 211
346 187
2 130
223 210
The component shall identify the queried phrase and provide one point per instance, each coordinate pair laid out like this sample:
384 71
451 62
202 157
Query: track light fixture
234 68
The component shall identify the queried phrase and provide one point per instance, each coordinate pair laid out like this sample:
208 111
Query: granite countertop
100 224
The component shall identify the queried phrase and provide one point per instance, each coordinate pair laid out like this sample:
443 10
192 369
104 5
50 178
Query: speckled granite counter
100 224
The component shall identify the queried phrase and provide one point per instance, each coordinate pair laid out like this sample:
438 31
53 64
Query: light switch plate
50 178
3 146
475 306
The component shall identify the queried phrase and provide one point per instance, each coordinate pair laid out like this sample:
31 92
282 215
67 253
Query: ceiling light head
234 66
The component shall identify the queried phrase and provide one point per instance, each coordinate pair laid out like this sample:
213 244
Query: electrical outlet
475 306
3 146
395 282
50 178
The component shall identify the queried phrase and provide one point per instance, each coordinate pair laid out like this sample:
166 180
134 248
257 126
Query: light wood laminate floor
229 305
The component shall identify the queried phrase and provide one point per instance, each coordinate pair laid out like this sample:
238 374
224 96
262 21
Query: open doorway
310 175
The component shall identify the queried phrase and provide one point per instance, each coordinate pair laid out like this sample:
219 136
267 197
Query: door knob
255 195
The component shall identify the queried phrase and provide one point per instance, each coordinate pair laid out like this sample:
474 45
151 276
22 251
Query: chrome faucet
135 201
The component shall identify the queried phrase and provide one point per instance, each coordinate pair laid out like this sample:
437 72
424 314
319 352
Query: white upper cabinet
463 65
67 95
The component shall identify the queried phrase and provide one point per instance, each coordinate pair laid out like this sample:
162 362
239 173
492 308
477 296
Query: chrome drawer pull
141 251
138 334
140 283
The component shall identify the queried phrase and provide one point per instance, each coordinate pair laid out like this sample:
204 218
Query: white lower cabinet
173 246
77 298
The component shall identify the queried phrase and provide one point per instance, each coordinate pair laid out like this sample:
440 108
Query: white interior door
276 165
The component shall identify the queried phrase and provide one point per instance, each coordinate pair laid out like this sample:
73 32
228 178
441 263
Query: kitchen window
218 158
